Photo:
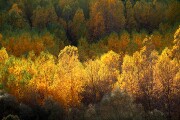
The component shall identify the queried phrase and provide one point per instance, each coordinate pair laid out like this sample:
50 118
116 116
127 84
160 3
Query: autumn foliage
148 77
89 59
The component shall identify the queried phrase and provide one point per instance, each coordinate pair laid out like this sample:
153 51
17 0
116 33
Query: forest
90 59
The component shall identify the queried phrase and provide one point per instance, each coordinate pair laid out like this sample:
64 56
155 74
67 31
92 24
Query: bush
120 106
25 112
91 113
8 105
156 115
11 117
54 110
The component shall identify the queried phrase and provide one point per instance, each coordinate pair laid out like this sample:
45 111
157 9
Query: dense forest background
90 59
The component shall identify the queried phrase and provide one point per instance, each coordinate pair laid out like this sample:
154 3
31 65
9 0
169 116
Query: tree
137 76
84 49
176 47
3 58
101 74
112 60
1 37
68 8
5 5
19 74
44 16
43 78
114 43
138 38
15 17
27 7
27 42
69 80
112 13
157 40
124 41
71 5
115 18
3 55
148 15
84 4
130 20
167 72
97 26
78 25
172 11
167 85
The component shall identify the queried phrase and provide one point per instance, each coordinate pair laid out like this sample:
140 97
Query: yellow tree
4 55
112 60
44 69
3 58
167 78
101 74
137 76
20 72
69 78
167 86
176 47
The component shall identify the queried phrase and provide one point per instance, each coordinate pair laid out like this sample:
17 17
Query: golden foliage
25 43
146 75
69 79
3 55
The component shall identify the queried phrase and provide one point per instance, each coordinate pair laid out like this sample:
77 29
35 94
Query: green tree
15 17
44 16
130 20
28 7
172 11
78 25
148 14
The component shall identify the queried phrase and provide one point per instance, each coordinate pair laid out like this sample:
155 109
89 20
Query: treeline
98 22
144 85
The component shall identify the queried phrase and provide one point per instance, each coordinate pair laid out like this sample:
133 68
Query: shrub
11 117
120 106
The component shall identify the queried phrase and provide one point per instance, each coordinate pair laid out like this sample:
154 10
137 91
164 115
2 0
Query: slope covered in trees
89 59
66 22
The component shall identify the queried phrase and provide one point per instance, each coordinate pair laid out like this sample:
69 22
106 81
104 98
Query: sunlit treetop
3 55
69 50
